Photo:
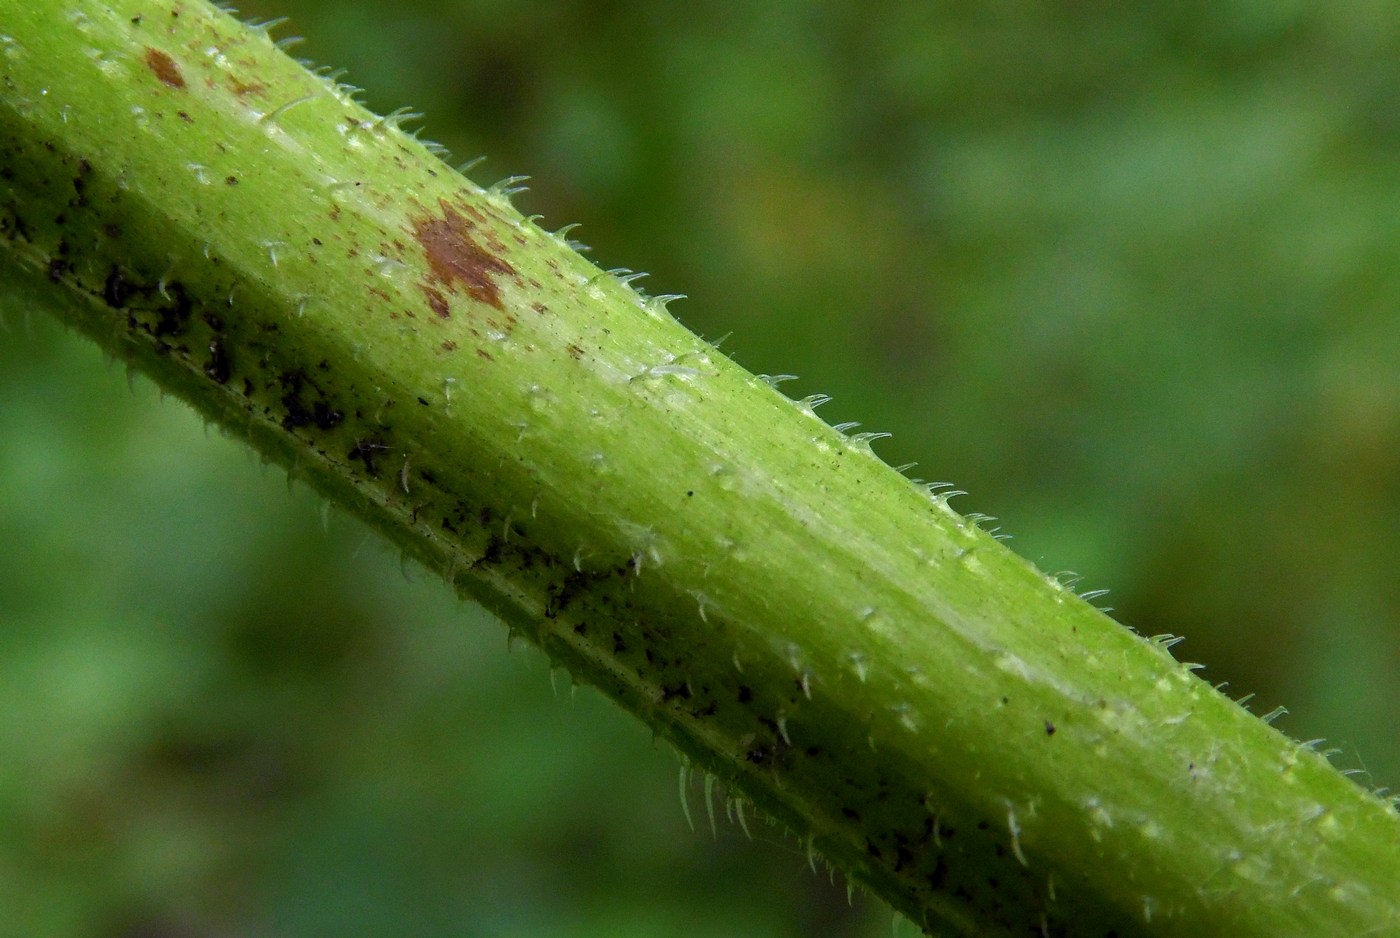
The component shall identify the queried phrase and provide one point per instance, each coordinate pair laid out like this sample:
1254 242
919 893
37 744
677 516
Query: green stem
959 732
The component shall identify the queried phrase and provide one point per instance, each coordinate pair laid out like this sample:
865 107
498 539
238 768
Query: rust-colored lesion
437 302
164 68
456 259
245 88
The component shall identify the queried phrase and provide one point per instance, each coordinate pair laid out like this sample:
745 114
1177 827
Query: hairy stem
964 735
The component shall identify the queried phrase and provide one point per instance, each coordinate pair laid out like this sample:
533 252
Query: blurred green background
1128 273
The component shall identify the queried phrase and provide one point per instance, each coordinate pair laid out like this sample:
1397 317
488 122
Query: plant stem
959 732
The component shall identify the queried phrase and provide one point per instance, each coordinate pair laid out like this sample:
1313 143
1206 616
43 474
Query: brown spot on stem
437 301
164 68
456 259
245 88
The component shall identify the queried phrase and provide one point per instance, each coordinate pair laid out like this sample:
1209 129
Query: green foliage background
1128 273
